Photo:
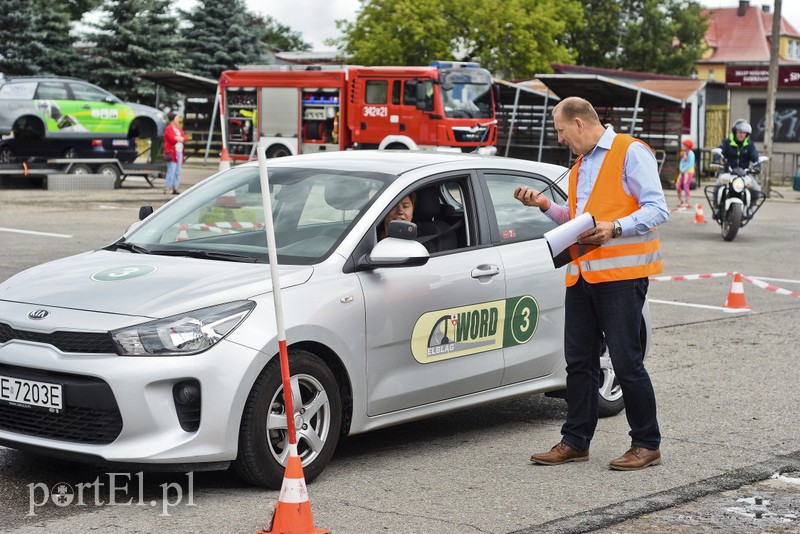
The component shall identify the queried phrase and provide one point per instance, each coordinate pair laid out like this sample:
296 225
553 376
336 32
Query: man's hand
598 235
531 197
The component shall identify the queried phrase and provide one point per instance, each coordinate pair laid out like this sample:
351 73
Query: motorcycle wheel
732 222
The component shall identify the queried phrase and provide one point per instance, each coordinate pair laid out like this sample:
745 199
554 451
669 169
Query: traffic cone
293 513
698 215
183 233
224 160
736 298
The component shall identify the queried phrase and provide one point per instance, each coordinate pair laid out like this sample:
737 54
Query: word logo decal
452 333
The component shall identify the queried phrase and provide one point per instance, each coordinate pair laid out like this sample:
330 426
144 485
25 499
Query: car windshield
223 218
466 93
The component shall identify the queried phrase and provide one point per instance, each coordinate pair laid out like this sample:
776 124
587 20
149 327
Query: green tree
76 8
134 36
53 22
279 36
22 41
661 36
520 37
220 36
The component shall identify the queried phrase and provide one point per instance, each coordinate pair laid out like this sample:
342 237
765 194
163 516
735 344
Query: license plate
119 142
20 391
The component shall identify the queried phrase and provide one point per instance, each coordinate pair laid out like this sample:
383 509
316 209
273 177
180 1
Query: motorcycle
732 200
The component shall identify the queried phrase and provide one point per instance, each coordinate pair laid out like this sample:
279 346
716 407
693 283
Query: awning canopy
182 82
605 92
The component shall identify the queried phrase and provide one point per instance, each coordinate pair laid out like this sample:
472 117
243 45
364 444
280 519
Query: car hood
143 285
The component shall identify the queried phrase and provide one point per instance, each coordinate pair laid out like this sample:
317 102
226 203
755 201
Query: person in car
174 138
403 210
615 178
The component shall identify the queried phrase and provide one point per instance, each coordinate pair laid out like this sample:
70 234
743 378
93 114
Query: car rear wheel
263 436
611 401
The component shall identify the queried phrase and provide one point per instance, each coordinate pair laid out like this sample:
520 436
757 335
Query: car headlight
183 334
738 184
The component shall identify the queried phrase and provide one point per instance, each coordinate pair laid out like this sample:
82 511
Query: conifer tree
59 58
21 41
221 35
132 37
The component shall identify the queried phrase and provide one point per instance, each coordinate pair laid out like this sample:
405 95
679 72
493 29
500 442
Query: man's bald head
575 107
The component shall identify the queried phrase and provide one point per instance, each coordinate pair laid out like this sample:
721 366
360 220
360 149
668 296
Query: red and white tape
754 281
769 287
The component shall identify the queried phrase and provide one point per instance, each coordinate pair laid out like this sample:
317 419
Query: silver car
161 348
37 107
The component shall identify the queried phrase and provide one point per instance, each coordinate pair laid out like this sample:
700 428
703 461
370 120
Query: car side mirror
145 212
394 252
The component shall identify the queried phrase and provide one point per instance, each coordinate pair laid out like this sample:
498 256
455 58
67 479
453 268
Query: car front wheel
263 436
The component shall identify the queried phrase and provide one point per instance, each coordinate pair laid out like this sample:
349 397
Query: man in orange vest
615 178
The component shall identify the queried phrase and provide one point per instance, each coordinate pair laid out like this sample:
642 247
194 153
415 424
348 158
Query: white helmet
742 125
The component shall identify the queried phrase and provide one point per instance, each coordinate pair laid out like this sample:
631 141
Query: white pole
276 296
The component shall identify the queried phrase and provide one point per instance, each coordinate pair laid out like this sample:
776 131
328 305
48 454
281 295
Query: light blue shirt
688 163
640 179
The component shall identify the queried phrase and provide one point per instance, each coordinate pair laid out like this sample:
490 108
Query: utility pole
505 54
772 91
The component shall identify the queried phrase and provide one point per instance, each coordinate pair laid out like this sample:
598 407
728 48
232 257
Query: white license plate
119 142
30 393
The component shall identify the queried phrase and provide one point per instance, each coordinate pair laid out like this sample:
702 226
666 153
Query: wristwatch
617 229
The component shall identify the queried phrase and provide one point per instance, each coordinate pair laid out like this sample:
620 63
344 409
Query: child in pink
686 170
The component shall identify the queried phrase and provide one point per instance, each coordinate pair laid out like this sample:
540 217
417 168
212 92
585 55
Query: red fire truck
447 106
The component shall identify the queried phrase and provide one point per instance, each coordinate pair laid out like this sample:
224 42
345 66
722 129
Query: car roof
41 79
398 162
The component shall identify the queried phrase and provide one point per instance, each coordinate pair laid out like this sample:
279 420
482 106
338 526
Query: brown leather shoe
636 458
560 454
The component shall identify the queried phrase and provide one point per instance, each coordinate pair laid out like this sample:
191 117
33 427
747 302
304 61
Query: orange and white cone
293 513
183 233
736 300
698 215
224 160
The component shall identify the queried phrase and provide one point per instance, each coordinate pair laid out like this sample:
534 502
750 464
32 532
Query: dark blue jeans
610 312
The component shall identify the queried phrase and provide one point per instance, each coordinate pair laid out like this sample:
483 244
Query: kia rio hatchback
161 348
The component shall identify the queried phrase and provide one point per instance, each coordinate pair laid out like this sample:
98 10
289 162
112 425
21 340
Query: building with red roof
742 34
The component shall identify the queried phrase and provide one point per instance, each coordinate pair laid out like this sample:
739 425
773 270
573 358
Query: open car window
515 221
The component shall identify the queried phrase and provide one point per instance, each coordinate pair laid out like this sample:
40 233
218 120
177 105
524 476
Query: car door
530 276
432 331
100 111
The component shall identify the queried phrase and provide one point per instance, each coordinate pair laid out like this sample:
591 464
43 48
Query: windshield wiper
207 255
127 245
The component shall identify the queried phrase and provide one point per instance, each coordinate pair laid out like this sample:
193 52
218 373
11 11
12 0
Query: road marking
689 305
776 279
45 234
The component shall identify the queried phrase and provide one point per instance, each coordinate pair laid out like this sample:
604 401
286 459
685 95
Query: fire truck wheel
396 146
278 151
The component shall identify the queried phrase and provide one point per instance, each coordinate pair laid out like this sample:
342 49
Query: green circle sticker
524 319
124 272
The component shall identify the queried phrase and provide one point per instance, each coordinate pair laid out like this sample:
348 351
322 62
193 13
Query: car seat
432 216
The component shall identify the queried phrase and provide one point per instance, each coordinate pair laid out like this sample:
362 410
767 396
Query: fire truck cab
447 106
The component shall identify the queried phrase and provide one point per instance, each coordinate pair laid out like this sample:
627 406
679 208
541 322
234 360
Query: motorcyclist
739 152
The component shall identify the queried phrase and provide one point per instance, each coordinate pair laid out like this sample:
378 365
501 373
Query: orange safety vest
623 258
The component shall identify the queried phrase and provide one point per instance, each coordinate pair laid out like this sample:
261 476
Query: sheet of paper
562 240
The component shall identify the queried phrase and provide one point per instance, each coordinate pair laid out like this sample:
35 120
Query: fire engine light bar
455 64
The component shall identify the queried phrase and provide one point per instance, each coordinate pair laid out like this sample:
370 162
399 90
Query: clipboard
562 240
